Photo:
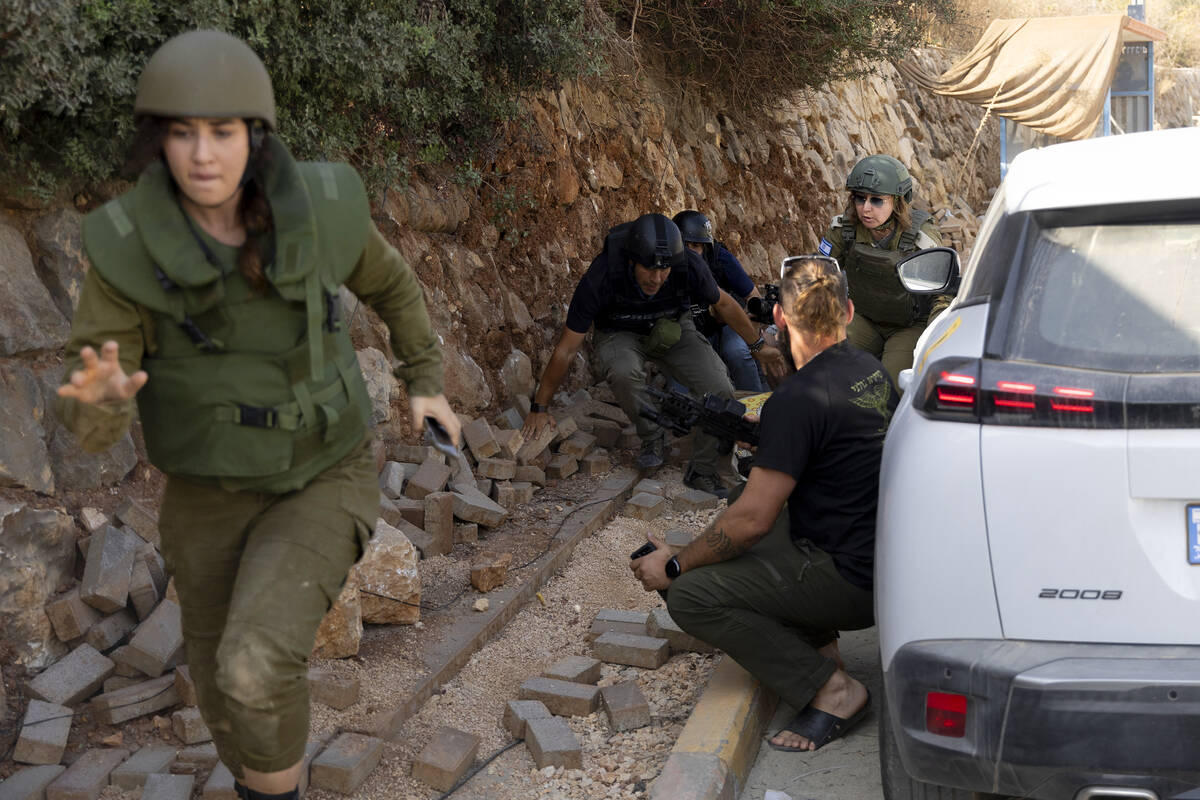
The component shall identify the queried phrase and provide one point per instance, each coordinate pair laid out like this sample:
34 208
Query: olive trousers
621 359
891 344
771 608
255 573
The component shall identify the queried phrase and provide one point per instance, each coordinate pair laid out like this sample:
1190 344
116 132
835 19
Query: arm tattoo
721 544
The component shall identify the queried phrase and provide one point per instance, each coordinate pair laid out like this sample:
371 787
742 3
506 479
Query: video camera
761 309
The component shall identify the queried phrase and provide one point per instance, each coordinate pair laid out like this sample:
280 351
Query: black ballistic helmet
694 227
654 242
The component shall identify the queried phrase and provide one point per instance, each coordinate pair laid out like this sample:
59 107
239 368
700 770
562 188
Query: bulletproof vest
875 289
262 389
627 309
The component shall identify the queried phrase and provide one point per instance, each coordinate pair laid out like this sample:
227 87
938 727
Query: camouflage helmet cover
654 242
206 74
880 174
694 227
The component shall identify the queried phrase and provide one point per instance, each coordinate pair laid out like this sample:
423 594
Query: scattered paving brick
650 487
196 758
148 761
504 494
498 469
577 669
157 566
542 459
523 490
416 454
446 758
30 783
136 701
629 438
531 474
219 785
73 678
431 477
189 726
139 519
479 437
695 500
119 682
105 582
535 446
618 621
391 479
124 668
93 519
578 446
562 466
489 570
70 616
185 687
311 751
333 689
625 706
511 419
510 442
661 625
607 433
44 732
596 462
143 594
564 698
439 521
646 506
85 779
168 787
467 532
111 631
157 645
552 743
519 712
346 762
479 508
648 652
411 511
484 486
565 426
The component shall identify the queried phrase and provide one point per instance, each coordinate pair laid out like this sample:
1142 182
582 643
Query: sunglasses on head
876 201
791 262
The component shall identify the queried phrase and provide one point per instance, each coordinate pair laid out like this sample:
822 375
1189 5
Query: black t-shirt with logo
609 296
824 426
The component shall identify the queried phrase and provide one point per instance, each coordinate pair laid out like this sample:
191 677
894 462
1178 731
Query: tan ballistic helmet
206 74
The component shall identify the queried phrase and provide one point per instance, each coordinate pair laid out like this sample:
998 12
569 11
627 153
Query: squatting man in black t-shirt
638 293
772 589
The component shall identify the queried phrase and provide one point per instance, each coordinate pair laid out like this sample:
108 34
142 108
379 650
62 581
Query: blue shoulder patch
825 247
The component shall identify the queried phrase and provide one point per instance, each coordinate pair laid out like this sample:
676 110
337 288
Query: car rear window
1116 297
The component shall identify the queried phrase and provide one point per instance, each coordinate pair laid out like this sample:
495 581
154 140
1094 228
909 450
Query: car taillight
946 714
1017 393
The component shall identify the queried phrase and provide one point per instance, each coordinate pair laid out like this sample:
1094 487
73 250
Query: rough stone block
73 678
143 594
503 494
510 419
523 491
111 631
661 626
387 570
135 701
391 479
70 616
404 508
467 532
416 453
617 621
577 669
596 462
695 500
535 446
340 631
219 785
564 698
105 583
607 433
124 668
30 783
565 426
196 758
185 687
561 466
157 566
578 445
489 570
148 761
552 743
168 787
625 706
519 712
119 682
484 486
446 758
333 689
139 519
346 762
648 652
542 459
498 469
189 726
157 645
510 442
629 438
430 478
478 436
439 521
646 506
650 487
311 751
93 519
44 732
85 779
528 473
479 508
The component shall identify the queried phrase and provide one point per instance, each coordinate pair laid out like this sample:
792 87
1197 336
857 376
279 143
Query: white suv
1038 554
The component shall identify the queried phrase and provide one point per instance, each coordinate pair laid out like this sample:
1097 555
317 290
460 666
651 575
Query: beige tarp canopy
1051 74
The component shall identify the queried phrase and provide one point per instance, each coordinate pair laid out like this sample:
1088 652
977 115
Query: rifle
715 415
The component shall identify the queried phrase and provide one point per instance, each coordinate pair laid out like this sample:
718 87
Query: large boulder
37 556
517 376
389 568
29 320
24 461
466 385
61 263
381 384
340 632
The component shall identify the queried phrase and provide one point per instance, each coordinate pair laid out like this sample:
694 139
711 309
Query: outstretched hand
102 380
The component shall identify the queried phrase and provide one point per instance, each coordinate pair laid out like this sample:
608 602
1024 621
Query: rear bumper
1047 719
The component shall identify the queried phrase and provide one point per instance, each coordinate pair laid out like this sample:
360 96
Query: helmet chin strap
257 135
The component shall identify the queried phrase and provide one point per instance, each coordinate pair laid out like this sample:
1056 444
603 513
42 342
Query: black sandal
820 727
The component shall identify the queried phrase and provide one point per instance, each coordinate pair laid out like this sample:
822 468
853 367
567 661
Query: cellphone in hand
439 437
644 550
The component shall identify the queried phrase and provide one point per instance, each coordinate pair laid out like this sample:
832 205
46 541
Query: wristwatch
537 408
758 345
672 568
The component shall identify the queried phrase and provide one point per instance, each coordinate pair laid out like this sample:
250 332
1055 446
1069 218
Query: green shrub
381 83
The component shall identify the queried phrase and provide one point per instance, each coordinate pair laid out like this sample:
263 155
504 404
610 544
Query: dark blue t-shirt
737 282
824 426
608 296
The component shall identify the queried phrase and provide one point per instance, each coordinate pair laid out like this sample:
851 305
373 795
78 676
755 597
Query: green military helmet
694 227
880 174
206 74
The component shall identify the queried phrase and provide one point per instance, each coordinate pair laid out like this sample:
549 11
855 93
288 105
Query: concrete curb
718 745
472 630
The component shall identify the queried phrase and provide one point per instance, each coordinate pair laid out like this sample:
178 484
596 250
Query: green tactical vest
262 392
875 289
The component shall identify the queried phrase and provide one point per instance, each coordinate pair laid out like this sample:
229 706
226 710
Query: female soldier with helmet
212 298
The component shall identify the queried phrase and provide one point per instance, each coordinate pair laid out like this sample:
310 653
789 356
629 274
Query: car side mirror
932 271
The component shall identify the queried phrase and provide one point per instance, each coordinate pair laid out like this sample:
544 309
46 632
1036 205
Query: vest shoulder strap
342 214
848 233
115 250
908 239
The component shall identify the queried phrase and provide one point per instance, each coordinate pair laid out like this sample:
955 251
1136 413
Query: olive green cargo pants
891 344
771 608
255 574
621 359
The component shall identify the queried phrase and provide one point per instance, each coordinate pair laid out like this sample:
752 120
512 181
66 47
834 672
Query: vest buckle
257 416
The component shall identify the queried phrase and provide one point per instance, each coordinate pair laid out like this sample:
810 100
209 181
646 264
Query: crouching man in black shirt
772 590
